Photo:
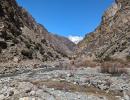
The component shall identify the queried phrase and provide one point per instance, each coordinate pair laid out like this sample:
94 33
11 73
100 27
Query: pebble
23 85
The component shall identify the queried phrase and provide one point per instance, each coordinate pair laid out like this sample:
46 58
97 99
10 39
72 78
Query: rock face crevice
111 38
23 38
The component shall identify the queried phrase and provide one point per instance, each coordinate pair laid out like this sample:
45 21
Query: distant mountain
22 38
62 45
111 39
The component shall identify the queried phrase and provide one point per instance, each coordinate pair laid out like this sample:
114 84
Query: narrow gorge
36 64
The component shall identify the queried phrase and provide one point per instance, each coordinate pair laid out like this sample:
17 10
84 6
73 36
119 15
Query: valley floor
47 82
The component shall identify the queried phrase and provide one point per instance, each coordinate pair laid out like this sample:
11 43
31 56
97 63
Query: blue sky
67 17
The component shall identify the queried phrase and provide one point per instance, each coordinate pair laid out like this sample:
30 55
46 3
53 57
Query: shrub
113 68
128 57
27 53
85 63
107 58
3 44
0 50
15 41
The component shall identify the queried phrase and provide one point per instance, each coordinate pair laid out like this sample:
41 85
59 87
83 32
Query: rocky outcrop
112 37
22 38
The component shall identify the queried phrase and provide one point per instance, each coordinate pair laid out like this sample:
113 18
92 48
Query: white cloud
75 39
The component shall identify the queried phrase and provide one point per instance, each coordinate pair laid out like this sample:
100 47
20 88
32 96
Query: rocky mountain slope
62 44
112 37
22 38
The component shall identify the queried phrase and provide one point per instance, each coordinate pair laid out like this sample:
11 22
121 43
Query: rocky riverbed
54 83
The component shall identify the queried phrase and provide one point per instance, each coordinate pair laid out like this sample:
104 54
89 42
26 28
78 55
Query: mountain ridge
110 38
23 38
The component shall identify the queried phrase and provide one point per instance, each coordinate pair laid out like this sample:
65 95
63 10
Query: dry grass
66 86
114 68
85 63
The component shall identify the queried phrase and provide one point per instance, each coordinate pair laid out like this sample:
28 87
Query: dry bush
85 63
121 62
114 68
128 57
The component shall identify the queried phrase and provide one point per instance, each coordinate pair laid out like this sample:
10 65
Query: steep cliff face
22 38
112 37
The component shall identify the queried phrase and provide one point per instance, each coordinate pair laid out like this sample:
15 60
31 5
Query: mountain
111 39
22 38
62 45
